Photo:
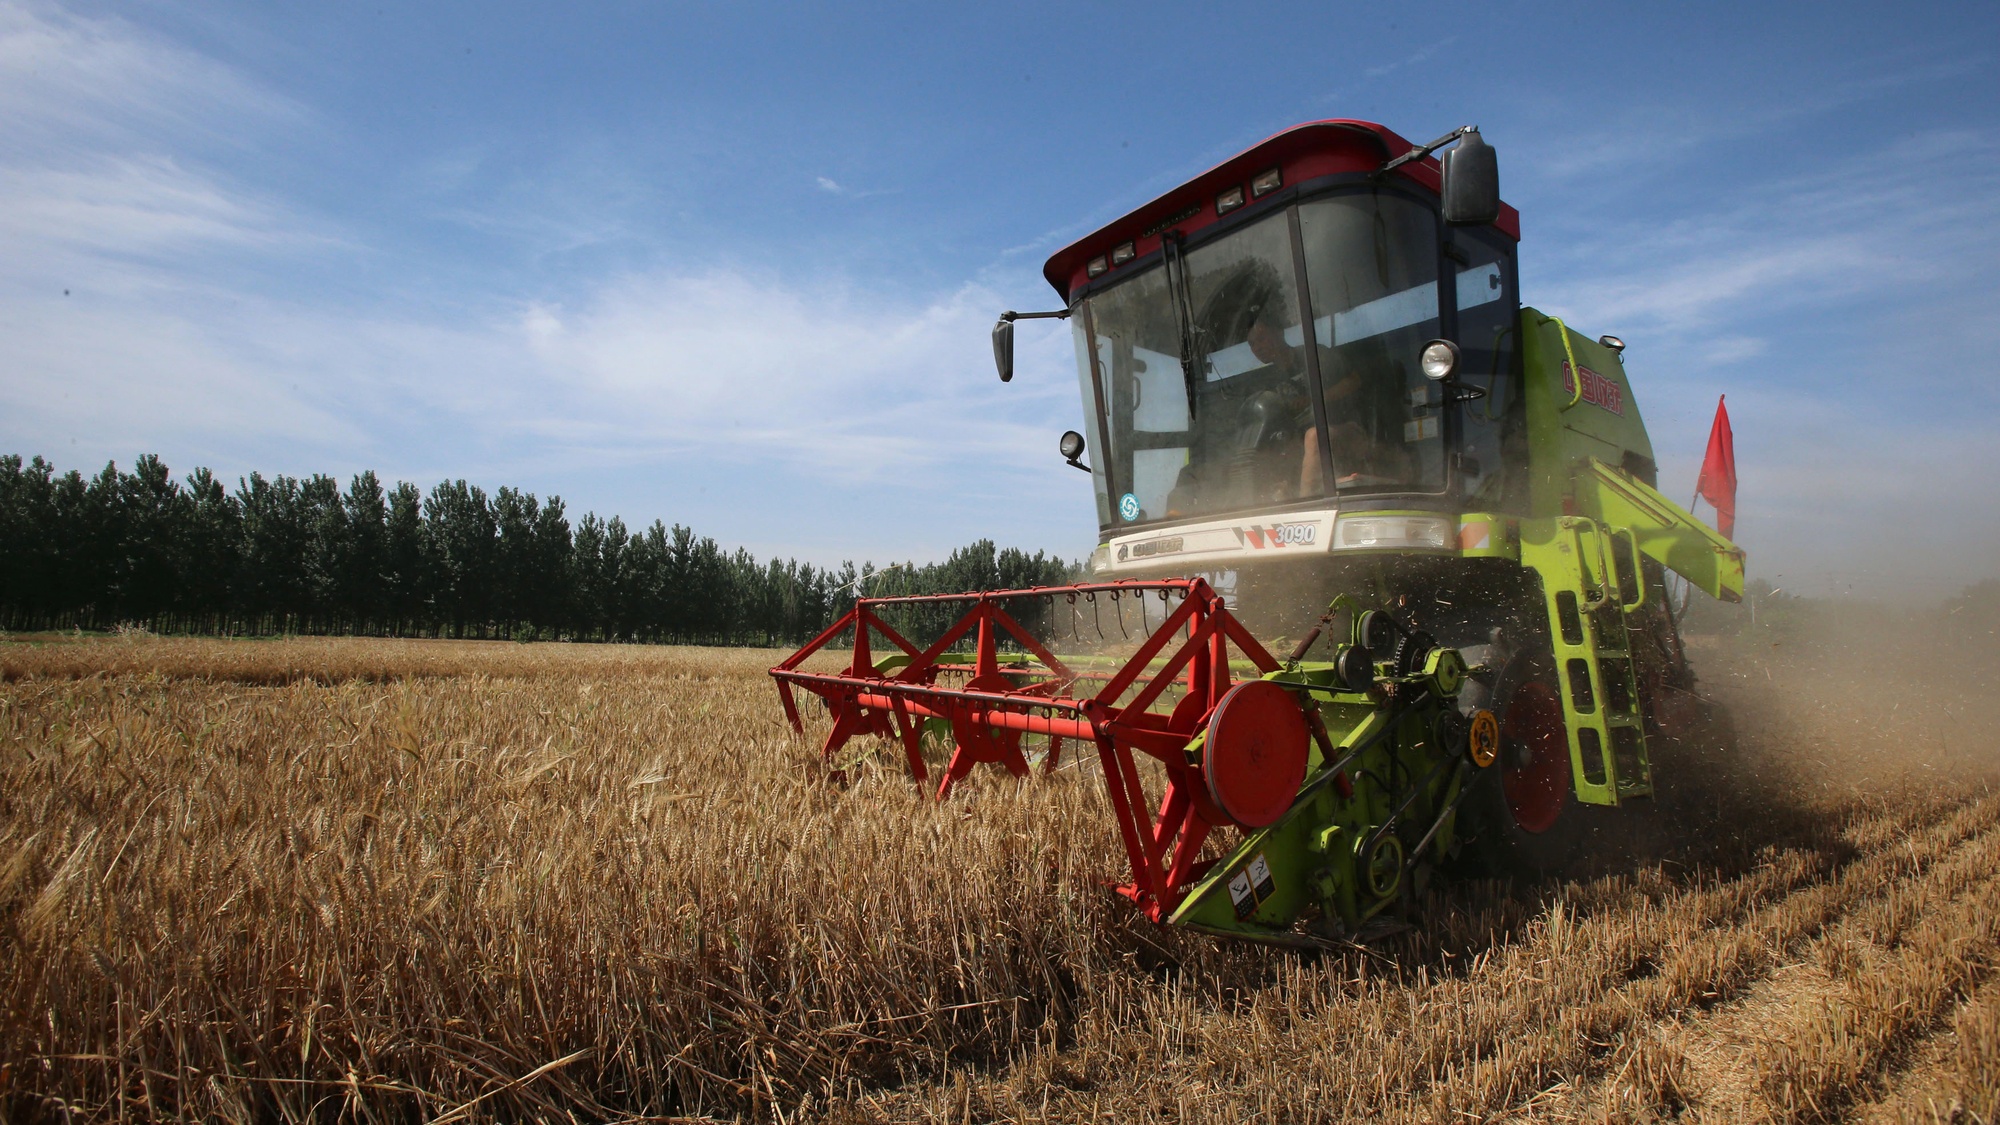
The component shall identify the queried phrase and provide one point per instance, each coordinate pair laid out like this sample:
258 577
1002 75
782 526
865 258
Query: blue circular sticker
1128 506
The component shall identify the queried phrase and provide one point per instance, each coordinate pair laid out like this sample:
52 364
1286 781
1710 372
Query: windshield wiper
1177 296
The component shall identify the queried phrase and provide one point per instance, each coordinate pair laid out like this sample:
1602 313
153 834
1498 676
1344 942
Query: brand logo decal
1598 391
1128 506
1260 536
1168 546
1181 216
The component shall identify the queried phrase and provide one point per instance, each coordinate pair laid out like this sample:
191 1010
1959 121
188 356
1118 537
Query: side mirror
1471 181
1003 349
1071 447
1003 338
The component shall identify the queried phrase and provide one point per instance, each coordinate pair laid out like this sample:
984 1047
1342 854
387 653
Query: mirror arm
1421 151
1003 338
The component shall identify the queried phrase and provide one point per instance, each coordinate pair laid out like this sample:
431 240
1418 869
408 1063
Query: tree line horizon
303 555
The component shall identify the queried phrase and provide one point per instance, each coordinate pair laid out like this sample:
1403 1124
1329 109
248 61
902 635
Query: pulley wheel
1382 867
1482 742
1535 767
1357 671
1255 755
1376 632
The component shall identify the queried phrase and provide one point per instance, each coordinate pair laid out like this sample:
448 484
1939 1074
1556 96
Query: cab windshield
1224 388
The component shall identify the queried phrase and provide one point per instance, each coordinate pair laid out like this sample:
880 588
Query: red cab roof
1301 153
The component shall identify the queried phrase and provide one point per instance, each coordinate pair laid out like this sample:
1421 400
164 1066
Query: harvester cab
1319 419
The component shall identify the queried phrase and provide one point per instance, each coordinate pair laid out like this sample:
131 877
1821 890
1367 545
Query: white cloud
849 401
1733 349
116 378
830 380
827 185
110 333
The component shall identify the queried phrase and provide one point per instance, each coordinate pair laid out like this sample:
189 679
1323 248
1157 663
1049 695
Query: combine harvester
1322 416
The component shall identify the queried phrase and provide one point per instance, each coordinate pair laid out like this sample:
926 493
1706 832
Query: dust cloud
1837 699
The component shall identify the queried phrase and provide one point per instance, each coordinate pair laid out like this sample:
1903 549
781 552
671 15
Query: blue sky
734 265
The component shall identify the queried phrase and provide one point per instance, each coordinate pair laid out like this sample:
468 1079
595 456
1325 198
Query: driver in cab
1352 443
1350 412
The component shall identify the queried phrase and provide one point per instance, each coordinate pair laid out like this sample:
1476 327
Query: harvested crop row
1940 941
1581 1034
1573 1000
1781 1038
1975 1064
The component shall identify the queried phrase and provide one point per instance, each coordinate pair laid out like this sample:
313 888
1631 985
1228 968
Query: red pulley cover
1255 754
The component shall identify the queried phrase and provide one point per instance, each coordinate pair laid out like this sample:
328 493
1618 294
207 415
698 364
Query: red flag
1718 471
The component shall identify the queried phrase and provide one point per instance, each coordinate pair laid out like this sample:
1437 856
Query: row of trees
291 555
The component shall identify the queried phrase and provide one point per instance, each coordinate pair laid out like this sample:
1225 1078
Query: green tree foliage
289 555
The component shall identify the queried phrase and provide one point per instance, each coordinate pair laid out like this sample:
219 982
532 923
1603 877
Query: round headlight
1439 359
1071 445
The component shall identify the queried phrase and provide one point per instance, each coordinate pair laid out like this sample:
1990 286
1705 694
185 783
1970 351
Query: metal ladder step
1587 602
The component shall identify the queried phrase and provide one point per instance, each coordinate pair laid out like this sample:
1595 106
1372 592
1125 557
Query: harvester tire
1522 818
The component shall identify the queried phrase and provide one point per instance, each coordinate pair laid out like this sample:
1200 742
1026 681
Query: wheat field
370 881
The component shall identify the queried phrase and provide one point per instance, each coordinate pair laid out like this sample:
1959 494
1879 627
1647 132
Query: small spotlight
1096 267
1122 254
1266 183
1439 359
1612 342
1229 200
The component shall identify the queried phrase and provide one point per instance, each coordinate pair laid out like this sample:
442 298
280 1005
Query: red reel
1255 755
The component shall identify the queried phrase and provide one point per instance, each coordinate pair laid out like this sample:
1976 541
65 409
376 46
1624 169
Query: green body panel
1592 519
1590 580
1596 417
1665 531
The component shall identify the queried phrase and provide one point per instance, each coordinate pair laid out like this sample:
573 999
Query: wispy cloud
69 82
833 187
1656 132
1919 212
137 206
1413 59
